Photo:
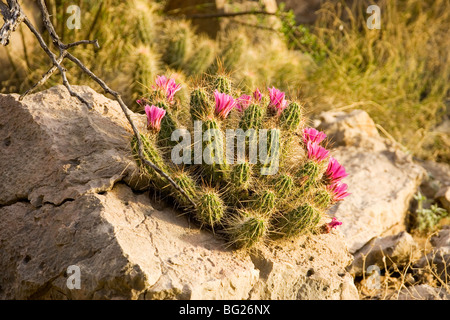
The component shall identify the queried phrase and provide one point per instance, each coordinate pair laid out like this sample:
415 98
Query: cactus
222 84
252 117
241 175
297 221
188 184
264 202
168 125
245 200
210 207
200 107
284 185
291 117
145 72
247 228
201 58
178 46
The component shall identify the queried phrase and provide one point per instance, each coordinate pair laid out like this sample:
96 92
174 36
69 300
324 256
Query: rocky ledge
71 195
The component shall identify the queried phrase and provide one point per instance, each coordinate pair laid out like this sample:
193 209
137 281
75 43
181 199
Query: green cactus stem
252 117
222 84
284 185
210 207
247 228
187 183
153 155
168 125
291 117
200 107
241 174
297 221
322 198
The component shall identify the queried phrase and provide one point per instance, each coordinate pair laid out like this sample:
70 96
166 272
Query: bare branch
77 43
228 15
13 16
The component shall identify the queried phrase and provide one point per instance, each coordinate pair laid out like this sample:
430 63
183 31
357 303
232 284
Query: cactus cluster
275 179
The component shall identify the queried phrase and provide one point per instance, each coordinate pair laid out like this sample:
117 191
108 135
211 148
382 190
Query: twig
228 15
13 16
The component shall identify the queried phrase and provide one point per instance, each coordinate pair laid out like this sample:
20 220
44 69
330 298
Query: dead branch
13 16
228 14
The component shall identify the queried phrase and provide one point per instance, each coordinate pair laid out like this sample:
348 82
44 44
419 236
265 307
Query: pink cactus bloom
334 223
224 104
335 171
168 86
316 152
154 117
339 191
257 95
277 101
313 135
243 102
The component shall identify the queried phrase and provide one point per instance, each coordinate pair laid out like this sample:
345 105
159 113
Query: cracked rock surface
71 195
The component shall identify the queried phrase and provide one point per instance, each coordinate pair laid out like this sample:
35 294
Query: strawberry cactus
253 170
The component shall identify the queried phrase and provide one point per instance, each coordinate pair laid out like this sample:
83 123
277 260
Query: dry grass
397 280
399 74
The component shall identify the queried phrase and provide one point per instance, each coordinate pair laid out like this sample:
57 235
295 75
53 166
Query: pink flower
311 134
277 101
243 102
257 95
334 223
224 104
316 152
168 86
335 171
154 117
339 191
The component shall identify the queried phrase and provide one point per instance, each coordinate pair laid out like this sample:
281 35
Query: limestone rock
399 249
382 179
53 148
381 189
69 198
355 129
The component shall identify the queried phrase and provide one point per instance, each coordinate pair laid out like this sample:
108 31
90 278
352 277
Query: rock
396 249
437 178
443 196
442 239
64 150
381 189
354 129
437 262
422 292
72 200
382 179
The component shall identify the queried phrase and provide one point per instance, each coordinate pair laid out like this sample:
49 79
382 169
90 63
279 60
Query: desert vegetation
266 74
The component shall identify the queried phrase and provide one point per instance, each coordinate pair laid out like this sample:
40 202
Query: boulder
77 223
382 179
383 252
